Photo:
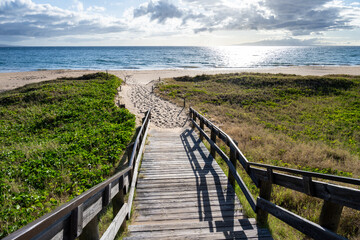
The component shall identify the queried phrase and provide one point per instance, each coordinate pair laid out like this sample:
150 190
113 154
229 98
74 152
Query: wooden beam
305 226
330 215
213 138
116 224
202 127
265 193
91 231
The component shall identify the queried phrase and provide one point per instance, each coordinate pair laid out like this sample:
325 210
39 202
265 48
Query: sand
137 94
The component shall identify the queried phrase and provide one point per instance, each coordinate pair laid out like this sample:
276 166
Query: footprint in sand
164 114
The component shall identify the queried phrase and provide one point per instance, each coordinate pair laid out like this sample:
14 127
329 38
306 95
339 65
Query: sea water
116 58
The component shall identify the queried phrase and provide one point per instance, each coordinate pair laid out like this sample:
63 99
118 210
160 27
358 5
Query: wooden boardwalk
182 193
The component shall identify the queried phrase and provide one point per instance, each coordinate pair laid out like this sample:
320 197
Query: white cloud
297 17
23 18
95 9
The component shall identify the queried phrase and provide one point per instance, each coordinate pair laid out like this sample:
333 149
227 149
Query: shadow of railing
202 164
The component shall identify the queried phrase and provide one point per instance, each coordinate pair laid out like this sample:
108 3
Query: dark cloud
159 11
23 18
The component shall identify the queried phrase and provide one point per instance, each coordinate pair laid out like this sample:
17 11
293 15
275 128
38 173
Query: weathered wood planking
182 193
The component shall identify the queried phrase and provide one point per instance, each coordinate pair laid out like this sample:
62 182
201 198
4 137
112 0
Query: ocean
14 59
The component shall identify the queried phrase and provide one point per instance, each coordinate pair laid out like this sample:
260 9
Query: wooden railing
79 217
263 176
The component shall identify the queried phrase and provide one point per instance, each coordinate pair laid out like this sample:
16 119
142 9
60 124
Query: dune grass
304 122
57 139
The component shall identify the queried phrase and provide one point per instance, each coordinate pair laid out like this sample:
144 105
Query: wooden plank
182 189
338 194
115 225
247 234
135 171
199 216
192 231
185 180
76 221
245 223
58 230
178 195
174 193
197 231
91 211
162 204
311 174
159 185
114 190
303 225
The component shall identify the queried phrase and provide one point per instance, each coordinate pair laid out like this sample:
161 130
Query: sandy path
139 98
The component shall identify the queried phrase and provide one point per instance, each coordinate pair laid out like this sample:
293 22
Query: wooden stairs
182 193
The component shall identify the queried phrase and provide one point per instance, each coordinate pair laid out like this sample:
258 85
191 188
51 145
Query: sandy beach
137 94
13 80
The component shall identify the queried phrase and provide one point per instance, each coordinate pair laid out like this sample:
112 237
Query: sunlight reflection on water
112 58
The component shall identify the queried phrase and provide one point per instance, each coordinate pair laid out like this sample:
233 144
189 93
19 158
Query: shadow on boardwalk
225 194
182 193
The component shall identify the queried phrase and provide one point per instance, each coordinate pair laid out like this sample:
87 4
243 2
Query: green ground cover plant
304 122
57 139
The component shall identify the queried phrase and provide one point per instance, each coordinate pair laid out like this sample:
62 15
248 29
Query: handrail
289 170
334 196
74 218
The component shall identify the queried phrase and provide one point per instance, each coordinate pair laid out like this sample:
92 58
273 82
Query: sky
179 22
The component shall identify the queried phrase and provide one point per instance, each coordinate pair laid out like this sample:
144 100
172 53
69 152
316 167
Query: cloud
296 17
23 18
160 11
284 42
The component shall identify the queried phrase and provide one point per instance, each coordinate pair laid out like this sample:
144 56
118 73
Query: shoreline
12 80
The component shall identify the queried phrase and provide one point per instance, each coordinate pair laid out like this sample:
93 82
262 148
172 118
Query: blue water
115 58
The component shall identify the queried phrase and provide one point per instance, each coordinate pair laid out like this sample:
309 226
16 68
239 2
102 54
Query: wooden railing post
202 128
194 118
91 231
118 201
213 138
129 152
234 163
330 215
265 193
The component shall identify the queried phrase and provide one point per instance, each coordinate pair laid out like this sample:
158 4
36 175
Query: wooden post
213 138
234 163
91 231
194 118
184 102
330 215
118 201
202 128
265 193
76 220
129 152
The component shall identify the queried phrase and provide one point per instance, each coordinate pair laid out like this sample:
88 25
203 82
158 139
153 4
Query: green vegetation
57 139
309 123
